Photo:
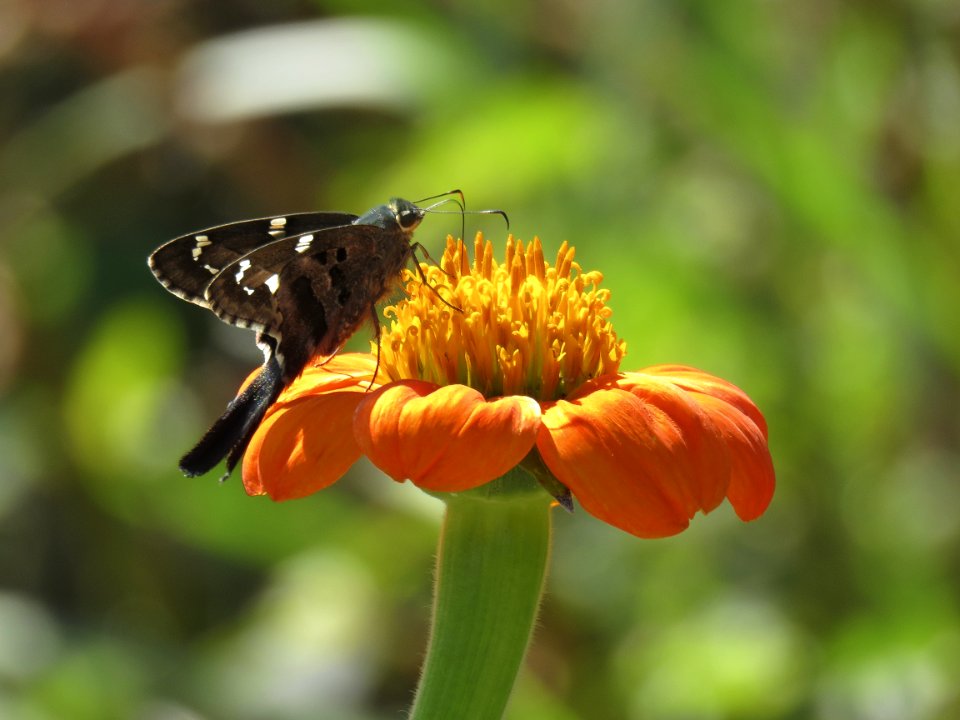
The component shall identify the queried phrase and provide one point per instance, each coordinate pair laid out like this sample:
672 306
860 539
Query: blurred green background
771 191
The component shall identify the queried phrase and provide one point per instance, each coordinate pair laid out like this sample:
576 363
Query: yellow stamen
526 327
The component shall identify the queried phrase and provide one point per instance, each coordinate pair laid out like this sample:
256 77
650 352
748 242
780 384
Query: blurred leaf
738 659
95 126
371 63
509 140
120 384
52 261
94 681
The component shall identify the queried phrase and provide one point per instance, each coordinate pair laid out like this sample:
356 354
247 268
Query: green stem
494 548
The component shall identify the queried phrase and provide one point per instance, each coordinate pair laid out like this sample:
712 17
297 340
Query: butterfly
303 282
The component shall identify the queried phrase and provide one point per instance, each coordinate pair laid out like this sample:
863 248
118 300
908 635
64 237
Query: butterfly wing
309 292
187 264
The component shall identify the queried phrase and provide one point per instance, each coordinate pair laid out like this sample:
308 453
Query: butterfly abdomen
229 436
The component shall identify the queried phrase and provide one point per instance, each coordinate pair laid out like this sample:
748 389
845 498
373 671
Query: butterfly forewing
186 265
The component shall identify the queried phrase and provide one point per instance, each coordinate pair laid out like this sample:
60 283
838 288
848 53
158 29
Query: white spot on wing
248 291
276 233
212 270
201 241
303 244
278 222
273 283
244 266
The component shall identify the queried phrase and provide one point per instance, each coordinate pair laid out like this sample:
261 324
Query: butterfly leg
426 253
375 317
423 277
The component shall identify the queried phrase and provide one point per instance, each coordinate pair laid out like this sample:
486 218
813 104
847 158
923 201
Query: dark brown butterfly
304 283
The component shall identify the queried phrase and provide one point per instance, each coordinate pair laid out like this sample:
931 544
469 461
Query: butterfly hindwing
187 264
309 292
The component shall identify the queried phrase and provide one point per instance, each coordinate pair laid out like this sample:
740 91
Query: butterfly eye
407 219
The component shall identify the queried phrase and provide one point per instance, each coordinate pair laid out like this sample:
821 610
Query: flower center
526 327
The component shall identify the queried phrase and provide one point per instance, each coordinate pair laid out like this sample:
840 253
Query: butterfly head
405 214
397 215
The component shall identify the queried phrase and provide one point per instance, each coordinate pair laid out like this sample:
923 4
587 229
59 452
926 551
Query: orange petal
743 429
623 458
752 478
347 370
708 453
302 446
689 378
344 370
447 438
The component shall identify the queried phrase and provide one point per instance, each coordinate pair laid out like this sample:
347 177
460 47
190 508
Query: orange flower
527 374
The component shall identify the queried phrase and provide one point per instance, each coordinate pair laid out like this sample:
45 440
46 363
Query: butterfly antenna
462 203
463 208
501 213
